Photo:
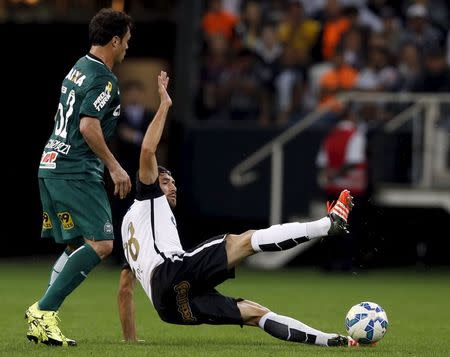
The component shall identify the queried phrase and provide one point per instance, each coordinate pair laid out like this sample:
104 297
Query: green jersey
89 89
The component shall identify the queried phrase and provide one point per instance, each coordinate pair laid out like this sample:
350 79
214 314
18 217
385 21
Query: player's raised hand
163 81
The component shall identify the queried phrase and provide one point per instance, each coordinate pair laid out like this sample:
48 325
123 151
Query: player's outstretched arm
125 300
148 167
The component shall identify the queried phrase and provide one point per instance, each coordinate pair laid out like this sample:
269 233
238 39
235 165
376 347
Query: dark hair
163 170
106 24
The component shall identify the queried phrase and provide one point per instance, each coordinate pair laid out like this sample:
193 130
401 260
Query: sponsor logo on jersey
103 98
58 146
48 160
108 87
66 220
46 221
76 77
116 112
182 290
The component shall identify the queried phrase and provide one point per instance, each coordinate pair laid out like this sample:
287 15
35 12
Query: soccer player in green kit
76 210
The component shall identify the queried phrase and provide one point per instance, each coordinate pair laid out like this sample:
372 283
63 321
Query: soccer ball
366 322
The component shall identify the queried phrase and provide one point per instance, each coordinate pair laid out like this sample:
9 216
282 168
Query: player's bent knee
103 248
247 234
240 241
238 248
251 312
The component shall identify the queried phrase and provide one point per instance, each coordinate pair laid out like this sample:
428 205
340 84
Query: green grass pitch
417 305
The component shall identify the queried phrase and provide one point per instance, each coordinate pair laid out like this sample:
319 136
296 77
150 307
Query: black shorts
183 288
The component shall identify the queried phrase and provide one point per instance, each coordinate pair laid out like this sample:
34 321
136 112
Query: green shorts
73 209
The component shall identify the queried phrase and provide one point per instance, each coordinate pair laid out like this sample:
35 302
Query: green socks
59 265
75 270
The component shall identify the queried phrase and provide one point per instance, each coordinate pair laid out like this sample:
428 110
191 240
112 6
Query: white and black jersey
149 233
180 284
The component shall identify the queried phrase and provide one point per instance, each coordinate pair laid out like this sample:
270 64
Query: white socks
288 235
318 228
289 329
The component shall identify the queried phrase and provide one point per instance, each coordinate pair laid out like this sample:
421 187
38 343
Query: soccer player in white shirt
181 284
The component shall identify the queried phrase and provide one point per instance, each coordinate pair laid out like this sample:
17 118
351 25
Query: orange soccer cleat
338 213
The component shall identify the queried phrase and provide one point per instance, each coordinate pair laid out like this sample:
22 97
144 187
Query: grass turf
417 305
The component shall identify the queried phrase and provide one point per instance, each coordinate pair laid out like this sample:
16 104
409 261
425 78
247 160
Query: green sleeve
98 98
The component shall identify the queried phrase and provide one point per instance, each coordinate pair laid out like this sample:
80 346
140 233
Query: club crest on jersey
108 228
182 290
48 160
46 221
76 77
66 220
103 97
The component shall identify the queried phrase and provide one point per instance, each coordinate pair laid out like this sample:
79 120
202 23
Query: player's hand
122 183
163 81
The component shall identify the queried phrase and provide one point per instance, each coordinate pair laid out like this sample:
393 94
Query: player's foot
35 332
43 327
338 213
342 341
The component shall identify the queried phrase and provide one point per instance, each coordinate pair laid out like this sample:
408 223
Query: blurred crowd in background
273 61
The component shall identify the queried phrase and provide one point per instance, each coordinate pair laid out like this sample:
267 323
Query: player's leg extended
286 236
286 328
275 238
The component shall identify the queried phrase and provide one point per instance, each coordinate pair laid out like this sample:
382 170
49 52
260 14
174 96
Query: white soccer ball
366 322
